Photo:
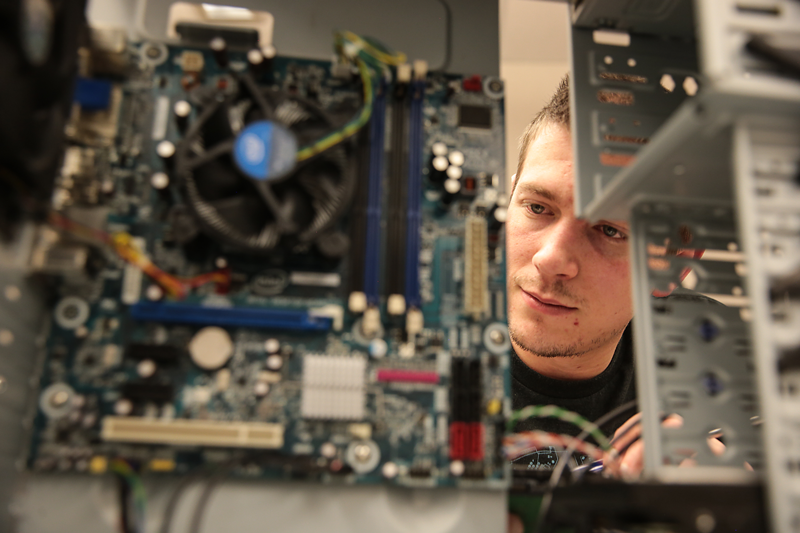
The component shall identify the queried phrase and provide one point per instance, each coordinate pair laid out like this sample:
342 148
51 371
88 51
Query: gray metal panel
651 17
693 357
767 163
613 118
726 26
55 504
22 315
305 28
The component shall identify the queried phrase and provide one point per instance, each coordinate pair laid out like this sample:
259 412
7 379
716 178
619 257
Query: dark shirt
591 398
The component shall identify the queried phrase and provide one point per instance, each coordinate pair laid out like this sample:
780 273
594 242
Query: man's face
568 281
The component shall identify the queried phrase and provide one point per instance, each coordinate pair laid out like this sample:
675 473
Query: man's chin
535 346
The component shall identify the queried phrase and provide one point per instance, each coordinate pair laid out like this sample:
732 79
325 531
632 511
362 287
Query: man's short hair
555 112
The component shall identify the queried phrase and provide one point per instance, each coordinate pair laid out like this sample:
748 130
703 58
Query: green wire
122 468
364 59
352 127
554 411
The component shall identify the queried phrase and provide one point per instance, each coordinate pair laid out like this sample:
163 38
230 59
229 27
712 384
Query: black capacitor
220 49
182 110
451 189
166 151
269 52
497 217
255 61
438 169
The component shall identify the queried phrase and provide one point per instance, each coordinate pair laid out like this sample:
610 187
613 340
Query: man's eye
611 231
537 209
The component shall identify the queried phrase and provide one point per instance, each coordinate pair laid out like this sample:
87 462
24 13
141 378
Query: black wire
560 467
202 501
124 505
172 503
448 37
784 59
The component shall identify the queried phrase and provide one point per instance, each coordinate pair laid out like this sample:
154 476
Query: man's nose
558 257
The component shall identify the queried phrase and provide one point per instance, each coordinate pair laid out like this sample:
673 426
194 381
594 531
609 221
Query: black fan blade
247 214
296 208
218 127
217 179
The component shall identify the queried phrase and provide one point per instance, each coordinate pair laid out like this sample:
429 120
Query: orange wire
122 243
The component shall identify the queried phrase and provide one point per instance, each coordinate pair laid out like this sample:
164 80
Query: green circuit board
366 344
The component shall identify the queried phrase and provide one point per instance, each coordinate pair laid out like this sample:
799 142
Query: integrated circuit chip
475 116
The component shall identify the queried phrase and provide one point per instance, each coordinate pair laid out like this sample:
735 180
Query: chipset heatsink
333 387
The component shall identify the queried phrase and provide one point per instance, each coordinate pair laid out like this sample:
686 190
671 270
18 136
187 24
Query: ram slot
396 245
358 218
413 217
373 244
476 266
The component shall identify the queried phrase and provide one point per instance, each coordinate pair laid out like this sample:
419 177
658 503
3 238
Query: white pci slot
192 432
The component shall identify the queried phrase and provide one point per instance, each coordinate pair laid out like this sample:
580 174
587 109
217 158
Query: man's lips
546 305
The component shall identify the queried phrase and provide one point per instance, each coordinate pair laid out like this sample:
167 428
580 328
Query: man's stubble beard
566 350
553 350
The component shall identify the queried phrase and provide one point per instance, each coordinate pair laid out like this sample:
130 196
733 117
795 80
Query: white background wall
534 56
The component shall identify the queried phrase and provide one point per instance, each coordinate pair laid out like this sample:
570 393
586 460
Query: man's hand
628 443
515 524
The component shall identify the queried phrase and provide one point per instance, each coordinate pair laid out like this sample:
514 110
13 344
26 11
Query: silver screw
59 398
362 453
497 337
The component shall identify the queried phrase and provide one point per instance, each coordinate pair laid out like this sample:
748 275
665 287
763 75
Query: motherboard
246 277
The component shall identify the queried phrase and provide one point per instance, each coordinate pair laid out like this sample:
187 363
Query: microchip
475 116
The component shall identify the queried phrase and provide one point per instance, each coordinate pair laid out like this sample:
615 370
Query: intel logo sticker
265 150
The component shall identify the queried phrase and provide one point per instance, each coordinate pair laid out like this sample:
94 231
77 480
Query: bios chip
475 116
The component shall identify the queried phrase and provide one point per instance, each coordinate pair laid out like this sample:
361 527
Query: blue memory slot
373 248
237 317
413 215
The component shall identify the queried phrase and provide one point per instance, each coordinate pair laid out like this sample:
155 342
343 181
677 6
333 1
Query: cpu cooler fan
239 174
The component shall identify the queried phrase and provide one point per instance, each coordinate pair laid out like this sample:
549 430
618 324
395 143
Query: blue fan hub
265 150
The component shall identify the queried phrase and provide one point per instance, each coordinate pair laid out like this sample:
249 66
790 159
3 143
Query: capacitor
182 110
123 407
220 49
438 171
146 368
274 362
269 52
272 346
456 158
166 151
439 148
159 181
454 172
497 218
451 189
255 60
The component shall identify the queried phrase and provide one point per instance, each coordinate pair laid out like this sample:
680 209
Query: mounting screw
497 337
362 453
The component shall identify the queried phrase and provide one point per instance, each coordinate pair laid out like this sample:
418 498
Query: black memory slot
397 199
358 218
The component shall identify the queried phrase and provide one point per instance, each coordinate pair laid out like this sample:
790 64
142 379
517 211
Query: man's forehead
550 179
